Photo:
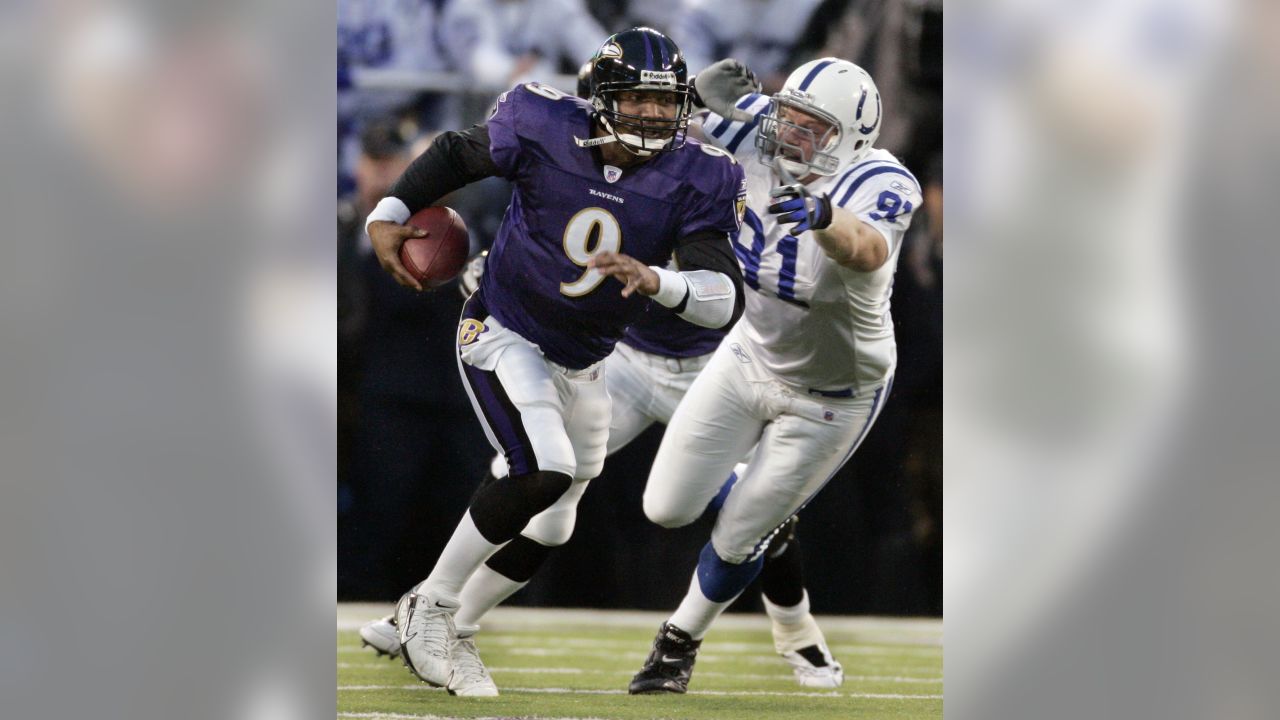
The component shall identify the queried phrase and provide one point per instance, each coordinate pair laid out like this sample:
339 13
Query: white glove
720 85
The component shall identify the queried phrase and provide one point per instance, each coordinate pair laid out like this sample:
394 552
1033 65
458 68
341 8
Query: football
437 258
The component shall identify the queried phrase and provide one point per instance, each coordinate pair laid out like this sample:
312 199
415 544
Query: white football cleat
814 667
382 636
425 624
470 677
803 646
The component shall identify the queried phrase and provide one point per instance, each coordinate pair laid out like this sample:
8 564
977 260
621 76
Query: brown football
437 258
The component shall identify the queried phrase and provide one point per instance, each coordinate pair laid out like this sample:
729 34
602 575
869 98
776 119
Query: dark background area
411 451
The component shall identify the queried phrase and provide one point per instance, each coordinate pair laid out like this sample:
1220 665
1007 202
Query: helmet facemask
640 134
782 140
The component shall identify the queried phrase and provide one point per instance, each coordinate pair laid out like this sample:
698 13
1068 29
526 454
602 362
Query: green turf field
577 663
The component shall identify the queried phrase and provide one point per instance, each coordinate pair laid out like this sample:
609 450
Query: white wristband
672 287
389 209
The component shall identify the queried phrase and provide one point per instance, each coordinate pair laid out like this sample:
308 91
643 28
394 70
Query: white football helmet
833 90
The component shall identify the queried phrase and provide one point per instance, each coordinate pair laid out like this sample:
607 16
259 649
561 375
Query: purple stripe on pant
498 412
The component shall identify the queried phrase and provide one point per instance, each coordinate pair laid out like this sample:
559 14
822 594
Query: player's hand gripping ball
427 251
437 257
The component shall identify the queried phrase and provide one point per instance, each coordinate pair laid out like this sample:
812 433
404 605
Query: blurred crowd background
410 449
168 384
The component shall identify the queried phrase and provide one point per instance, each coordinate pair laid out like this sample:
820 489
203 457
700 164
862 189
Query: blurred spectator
924 251
661 15
384 35
406 427
499 43
760 33
900 43
384 154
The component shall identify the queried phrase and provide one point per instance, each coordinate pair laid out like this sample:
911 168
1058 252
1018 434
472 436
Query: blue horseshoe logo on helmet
868 129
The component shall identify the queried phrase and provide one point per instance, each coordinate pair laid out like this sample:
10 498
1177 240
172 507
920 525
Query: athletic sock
788 615
484 591
696 612
466 550
716 583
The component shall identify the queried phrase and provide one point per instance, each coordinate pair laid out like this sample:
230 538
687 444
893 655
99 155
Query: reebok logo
658 77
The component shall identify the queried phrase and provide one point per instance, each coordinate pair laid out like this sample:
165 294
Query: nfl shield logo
612 173
828 415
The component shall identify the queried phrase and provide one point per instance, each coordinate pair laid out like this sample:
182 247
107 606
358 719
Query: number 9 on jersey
590 232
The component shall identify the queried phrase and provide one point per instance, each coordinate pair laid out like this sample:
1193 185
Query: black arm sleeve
712 251
453 160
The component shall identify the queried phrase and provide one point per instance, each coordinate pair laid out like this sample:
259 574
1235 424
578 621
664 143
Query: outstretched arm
843 236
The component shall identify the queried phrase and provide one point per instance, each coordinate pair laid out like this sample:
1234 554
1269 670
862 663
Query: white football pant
540 415
644 389
803 440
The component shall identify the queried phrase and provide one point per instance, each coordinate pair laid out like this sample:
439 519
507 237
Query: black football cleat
670 664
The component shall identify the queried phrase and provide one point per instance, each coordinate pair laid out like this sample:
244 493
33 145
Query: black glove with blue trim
795 204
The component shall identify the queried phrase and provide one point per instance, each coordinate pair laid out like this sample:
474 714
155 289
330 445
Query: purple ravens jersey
659 331
566 207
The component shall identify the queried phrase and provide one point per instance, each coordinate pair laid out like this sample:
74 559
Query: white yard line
923 631
713 653
764 655
628 673
733 693
400 716
719 647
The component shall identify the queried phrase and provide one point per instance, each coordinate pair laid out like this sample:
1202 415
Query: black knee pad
488 479
542 489
501 509
519 559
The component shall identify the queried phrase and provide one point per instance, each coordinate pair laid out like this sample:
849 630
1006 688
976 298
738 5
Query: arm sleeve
709 268
453 160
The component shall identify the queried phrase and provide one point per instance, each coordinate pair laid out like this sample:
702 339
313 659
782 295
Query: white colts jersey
814 324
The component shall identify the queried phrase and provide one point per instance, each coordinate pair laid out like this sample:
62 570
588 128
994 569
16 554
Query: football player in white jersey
808 368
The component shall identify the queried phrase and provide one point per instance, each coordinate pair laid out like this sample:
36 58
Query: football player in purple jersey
647 375
606 192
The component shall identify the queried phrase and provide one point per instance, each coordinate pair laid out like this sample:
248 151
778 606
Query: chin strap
613 137
595 141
